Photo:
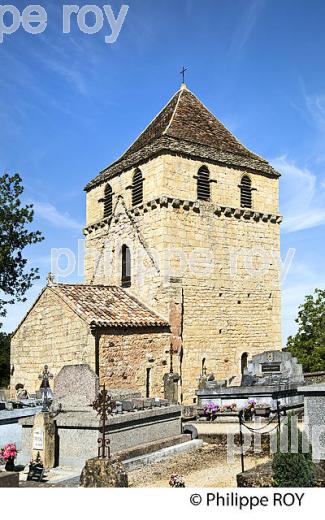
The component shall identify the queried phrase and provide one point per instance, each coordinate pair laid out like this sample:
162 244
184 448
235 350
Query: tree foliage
292 469
308 345
4 359
15 235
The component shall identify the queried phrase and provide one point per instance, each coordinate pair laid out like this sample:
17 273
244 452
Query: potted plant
210 411
249 408
7 456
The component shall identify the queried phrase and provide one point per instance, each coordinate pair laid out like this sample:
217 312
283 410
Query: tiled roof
107 306
185 126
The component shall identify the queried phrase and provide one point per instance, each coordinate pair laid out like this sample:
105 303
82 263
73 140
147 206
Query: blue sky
70 104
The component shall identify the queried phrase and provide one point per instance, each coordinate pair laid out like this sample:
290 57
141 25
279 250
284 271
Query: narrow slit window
244 362
137 188
203 184
148 382
126 266
246 192
108 201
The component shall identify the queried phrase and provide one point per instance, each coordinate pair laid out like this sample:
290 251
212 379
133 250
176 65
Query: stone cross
45 376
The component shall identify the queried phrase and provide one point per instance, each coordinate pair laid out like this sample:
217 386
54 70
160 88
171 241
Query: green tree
293 469
308 345
4 359
15 236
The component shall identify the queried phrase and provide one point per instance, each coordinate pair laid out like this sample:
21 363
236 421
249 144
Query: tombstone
43 439
75 388
171 387
273 368
314 418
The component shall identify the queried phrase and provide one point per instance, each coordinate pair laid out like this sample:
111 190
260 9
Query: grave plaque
271 367
38 439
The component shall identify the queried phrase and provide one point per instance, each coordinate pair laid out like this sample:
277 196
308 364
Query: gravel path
204 467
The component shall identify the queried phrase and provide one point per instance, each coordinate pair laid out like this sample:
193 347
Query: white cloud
246 26
302 199
47 211
316 107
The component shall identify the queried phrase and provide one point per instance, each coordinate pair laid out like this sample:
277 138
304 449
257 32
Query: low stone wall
313 378
260 476
221 440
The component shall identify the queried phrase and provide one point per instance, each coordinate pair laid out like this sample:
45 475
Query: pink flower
9 451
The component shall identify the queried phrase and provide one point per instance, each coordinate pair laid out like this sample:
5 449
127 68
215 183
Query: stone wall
125 357
212 267
51 334
313 378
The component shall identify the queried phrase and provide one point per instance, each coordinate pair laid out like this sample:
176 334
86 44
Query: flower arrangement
249 408
177 481
228 408
210 410
8 455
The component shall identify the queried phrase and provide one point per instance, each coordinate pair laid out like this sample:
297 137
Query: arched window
137 188
108 201
243 362
246 192
203 184
126 266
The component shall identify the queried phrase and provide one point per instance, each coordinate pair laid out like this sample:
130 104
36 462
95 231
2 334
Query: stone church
182 264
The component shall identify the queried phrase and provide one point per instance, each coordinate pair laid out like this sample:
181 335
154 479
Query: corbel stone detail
188 205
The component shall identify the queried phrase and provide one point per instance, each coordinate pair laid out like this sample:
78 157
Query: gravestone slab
314 418
273 368
75 388
43 439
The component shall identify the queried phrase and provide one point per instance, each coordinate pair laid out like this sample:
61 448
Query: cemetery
75 432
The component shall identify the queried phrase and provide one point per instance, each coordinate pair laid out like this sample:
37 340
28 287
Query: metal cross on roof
183 73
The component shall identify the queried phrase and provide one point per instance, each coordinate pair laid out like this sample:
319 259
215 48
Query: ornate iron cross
104 406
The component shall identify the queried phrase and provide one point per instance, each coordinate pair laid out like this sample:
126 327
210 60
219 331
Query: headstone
171 387
75 388
273 368
127 406
314 418
103 473
43 439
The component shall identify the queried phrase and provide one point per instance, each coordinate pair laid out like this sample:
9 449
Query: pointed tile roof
186 127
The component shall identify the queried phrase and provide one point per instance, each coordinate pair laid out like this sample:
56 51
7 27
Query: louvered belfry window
108 201
137 188
246 192
126 266
203 184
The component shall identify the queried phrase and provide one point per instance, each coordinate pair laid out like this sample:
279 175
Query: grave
314 418
136 422
269 377
43 439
